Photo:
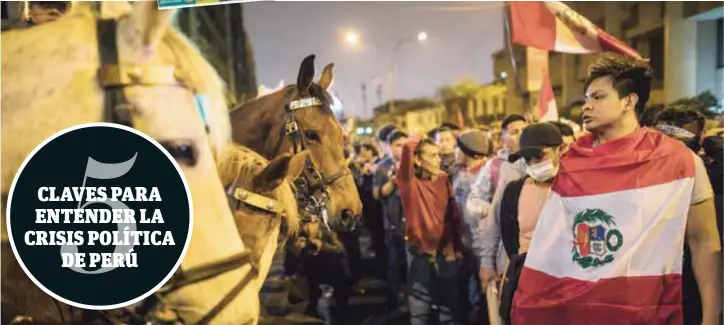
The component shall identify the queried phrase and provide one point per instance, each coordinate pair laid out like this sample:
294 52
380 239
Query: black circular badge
99 216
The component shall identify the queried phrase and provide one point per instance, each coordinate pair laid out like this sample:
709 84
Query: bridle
114 78
312 187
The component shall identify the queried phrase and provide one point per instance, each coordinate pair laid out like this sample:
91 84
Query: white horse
50 82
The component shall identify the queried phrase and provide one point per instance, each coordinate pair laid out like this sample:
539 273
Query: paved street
366 304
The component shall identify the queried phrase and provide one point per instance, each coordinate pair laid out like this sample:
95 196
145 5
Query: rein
312 188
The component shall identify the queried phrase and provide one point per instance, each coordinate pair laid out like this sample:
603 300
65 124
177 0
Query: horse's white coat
49 84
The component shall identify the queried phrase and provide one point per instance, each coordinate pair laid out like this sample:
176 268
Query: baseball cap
535 138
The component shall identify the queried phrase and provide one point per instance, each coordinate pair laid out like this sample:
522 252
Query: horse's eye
312 135
184 152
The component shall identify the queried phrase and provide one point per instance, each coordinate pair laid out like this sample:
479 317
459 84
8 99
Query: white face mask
542 171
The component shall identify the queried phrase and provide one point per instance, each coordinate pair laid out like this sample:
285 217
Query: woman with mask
541 146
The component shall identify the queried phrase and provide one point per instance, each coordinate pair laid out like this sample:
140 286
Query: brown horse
256 185
299 117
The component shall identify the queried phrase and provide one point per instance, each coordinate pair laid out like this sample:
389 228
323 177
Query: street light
421 36
352 38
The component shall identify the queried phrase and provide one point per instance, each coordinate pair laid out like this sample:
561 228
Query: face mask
542 171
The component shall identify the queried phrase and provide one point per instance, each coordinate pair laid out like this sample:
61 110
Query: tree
219 33
705 102
466 88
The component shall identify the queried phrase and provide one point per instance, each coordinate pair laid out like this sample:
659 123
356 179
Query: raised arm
407 167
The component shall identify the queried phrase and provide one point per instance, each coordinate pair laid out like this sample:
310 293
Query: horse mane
239 163
199 73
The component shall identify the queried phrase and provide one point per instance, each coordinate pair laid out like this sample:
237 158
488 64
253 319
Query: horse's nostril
347 215
348 221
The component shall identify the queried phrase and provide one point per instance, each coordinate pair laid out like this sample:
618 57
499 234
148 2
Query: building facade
417 115
422 120
683 41
489 103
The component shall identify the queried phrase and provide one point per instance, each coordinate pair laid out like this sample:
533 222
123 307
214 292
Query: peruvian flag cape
608 245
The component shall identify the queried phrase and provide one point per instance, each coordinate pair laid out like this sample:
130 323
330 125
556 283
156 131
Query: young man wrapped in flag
608 246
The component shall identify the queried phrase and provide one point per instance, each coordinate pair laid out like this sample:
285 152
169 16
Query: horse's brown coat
257 124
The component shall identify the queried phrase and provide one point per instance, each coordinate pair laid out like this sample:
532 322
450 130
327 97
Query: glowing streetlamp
421 36
352 38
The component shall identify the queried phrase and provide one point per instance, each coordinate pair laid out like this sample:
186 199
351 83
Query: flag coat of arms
608 245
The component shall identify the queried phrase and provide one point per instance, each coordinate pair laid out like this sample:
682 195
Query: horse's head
51 82
310 105
261 196
300 117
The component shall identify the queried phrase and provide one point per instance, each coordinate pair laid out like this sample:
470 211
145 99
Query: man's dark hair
396 134
679 116
450 126
441 130
648 117
629 76
566 130
424 142
577 103
367 146
384 131
510 119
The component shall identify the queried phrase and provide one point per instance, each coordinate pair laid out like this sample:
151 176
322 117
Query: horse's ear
296 165
283 167
115 9
325 81
148 25
306 74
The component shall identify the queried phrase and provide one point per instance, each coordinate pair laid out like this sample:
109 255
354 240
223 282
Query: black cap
535 138
510 119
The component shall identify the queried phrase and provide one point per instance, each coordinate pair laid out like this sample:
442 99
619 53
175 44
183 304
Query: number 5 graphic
98 170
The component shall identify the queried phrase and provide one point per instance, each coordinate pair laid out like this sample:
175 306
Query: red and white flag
553 26
547 108
608 246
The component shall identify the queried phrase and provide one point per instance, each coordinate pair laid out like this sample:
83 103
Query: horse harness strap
114 77
257 200
312 181
111 78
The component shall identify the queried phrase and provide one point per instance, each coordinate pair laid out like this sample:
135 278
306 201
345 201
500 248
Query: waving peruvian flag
547 108
608 245
553 26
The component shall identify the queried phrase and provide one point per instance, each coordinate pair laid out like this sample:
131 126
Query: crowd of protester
452 214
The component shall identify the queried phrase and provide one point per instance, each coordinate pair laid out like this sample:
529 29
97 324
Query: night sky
461 38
